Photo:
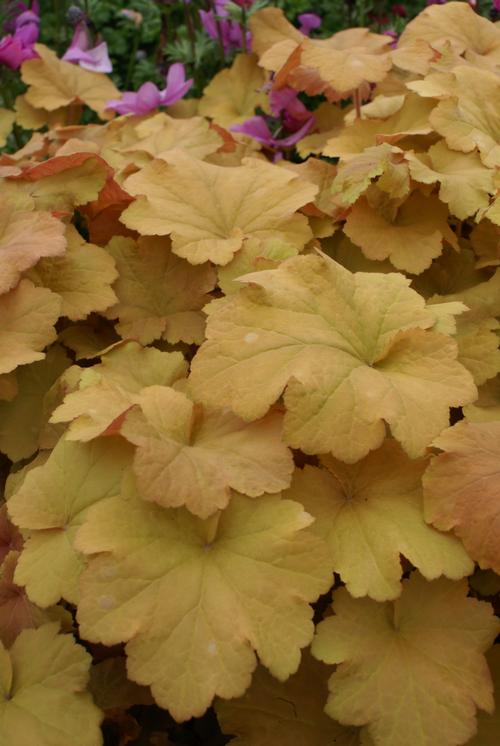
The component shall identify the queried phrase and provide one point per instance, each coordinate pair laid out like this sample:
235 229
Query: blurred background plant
141 39
145 36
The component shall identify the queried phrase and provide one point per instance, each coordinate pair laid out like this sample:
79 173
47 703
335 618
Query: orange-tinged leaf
107 390
269 26
110 196
25 237
159 134
28 316
185 108
34 118
465 183
42 687
488 725
53 83
209 210
412 119
355 175
346 60
159 294
449 275
412 670
82 277
17 612
23 418
322 174
74 145
483 298
185 456
88 341
17 476
59 183
329 122
284 713
410 234
248 575
456 24
234 93
112 690
485 240
7 119
8 387
380 107
255 255
462 489
486 408
51 504
10 537
478 351
348 349
471 118
370 513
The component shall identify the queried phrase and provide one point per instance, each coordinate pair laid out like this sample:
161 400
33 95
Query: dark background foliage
171 30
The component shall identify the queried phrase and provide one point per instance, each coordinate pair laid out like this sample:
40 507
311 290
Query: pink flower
285 103
13 53
16 10
296 121
472 3
18 47
27 27
149 96
496 5
394 36
308 22
81 53
258 128
231 31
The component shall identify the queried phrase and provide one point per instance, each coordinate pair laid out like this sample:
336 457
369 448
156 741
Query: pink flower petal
255 127
309 22
81 53
148 98
145 100
97 59
13 53
288 142
177 85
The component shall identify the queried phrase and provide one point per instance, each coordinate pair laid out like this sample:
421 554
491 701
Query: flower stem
244 29
58 9
133 58
190 29
220 37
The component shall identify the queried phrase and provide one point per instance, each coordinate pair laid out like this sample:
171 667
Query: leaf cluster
250 407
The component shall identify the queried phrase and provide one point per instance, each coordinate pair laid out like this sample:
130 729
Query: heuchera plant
249 404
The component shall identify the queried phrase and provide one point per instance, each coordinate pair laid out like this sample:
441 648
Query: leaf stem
211 526
357 103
